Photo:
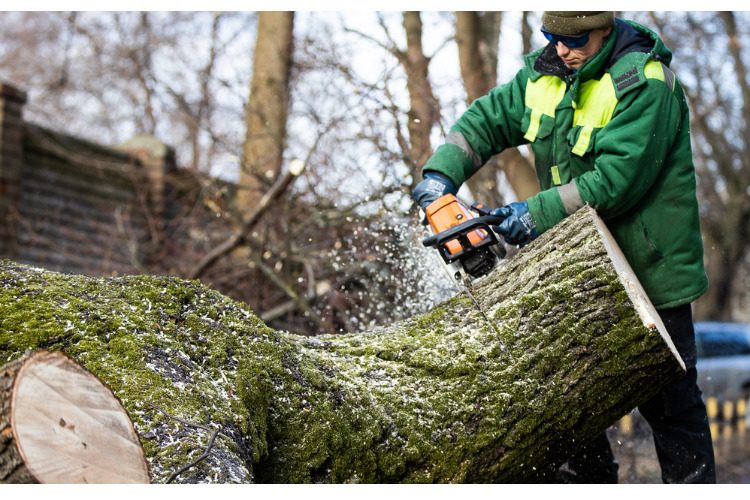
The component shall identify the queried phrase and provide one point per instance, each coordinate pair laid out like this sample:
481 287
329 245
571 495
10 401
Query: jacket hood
632 37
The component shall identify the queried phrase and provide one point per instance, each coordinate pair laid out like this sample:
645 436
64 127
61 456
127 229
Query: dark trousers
677 417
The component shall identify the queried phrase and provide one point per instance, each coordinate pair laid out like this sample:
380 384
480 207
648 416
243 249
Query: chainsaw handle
460 231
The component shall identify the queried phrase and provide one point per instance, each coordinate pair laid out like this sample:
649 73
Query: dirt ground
634 450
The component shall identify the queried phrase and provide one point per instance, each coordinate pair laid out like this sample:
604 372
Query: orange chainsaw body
465 242
446 212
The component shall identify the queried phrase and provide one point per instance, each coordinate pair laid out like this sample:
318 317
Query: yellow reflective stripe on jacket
594 109
659 71
536 117
542 97
584 138
556 175
596 103
653 69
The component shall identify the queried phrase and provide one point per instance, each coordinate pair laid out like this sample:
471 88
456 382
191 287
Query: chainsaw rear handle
460 233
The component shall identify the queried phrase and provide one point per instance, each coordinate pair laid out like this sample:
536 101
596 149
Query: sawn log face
60 424
436 398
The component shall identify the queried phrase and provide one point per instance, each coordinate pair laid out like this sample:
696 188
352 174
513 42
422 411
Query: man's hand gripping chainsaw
466 242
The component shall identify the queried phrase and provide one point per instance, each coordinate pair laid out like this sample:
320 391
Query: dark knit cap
567 22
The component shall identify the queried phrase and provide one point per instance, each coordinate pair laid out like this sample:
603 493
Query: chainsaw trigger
480 208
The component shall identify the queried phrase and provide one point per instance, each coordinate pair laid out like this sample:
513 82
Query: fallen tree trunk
60 424
571 345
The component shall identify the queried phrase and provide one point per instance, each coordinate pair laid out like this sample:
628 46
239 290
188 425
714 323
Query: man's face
574 58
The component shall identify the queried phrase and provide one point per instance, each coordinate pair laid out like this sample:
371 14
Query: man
609 127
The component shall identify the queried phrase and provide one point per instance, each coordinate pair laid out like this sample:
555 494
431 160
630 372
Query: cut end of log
641 303
67 426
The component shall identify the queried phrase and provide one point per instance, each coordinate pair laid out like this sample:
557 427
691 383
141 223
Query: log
572 344
60 424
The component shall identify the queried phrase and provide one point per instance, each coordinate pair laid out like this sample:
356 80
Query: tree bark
570 344
478 37
424 112
59 424
267 106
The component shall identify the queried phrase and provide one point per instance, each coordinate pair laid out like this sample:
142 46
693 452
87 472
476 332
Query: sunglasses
570 41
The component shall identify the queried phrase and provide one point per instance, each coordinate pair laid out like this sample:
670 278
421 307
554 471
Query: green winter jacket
615 135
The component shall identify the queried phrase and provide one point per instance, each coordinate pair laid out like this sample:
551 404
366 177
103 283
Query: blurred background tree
362 99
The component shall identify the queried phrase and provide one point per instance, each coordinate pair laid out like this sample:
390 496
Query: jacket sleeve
491 124
630 152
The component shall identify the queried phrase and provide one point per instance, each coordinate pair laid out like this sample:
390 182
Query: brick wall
11 161
70 205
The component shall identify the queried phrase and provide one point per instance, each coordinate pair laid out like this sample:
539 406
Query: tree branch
250 220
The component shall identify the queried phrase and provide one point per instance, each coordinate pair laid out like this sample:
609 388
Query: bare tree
526 31
107 76
267 107
478 40
424 112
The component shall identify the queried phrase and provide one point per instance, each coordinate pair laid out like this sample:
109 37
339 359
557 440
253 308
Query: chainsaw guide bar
469 247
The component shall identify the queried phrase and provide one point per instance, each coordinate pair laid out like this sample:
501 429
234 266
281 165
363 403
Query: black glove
518 228
432 187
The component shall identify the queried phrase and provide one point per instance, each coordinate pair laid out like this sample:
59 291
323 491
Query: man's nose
561 49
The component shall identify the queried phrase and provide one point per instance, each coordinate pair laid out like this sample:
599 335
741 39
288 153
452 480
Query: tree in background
107 76
478 41
423 108
424 112
267 108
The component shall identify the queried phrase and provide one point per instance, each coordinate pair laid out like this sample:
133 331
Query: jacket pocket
649 234
536 125
581 140
639 242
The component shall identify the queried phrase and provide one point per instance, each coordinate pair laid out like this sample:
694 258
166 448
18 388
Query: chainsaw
468 246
